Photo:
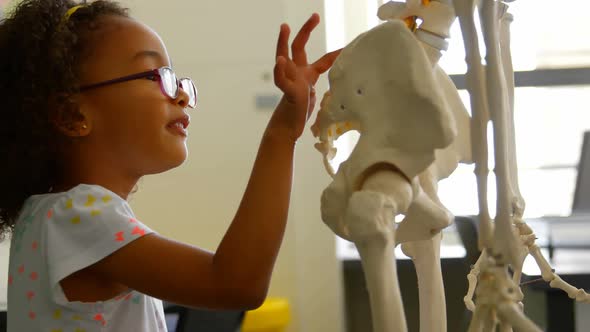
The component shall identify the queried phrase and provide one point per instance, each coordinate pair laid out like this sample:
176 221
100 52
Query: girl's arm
237 275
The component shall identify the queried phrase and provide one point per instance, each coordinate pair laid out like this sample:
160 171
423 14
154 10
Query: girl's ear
69 116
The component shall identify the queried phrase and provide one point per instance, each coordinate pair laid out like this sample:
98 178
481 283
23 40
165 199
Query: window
551 57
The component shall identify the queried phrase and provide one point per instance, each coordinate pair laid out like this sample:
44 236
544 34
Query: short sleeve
85 225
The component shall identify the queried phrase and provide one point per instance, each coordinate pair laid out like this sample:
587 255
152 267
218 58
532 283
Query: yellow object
90 201
71 12
411 23
273 316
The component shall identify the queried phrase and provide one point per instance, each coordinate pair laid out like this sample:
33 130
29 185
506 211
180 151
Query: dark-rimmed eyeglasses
169 84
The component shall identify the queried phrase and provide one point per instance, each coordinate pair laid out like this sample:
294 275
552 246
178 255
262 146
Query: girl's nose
182 98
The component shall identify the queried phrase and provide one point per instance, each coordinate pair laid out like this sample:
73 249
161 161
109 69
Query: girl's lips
179 125
177 129
183 120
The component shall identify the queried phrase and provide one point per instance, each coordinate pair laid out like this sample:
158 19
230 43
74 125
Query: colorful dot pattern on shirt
57 314
82 210
20 231
90 200
90 203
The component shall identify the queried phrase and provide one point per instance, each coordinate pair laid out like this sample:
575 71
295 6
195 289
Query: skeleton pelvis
426 216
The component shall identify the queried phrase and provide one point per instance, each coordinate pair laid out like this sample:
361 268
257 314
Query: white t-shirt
58 234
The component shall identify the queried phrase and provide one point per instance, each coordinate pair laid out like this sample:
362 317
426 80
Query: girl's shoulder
93 190
79 197
81 190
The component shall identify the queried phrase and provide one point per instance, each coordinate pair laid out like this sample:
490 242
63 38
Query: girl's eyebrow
151 54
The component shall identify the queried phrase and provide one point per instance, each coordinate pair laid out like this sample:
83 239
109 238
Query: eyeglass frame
145 74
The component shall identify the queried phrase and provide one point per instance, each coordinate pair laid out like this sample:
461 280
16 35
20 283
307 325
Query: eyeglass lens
189 87
170 86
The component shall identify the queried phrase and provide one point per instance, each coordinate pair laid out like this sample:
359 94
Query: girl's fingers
312 100
283 41
298 46
325 62
291 70
284 73
279 72
290 74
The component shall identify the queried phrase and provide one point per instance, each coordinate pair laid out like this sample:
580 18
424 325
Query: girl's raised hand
296 78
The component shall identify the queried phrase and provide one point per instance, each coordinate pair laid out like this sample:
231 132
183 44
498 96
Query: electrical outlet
267 101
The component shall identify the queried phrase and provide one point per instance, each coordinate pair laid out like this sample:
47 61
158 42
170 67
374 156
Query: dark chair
467 227
183 319
3 323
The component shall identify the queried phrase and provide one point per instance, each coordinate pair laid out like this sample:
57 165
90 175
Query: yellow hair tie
71 12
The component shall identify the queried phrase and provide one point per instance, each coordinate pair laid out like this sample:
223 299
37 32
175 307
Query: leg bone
369 218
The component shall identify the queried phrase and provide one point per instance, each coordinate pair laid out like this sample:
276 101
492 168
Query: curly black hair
40 56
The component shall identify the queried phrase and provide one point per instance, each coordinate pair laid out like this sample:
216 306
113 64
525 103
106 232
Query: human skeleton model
390 96
387 85
509 239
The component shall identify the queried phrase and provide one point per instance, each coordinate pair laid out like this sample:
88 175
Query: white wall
228 49
4 253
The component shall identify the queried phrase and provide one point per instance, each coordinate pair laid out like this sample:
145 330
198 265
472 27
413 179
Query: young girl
90 105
